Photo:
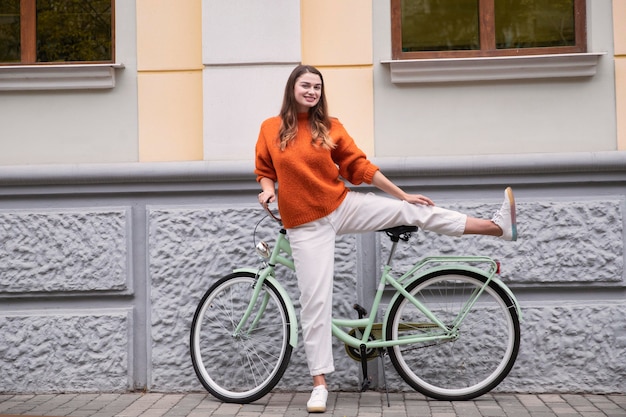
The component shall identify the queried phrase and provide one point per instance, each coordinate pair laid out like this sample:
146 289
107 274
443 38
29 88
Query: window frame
28 38
487 36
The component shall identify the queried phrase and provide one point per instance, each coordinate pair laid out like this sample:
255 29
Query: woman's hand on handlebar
266 197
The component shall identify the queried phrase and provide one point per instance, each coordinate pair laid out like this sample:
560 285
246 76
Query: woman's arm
383 183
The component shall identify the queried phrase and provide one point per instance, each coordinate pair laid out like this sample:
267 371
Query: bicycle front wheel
240 365
483 350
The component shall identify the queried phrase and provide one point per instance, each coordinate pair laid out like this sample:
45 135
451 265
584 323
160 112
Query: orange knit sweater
309 186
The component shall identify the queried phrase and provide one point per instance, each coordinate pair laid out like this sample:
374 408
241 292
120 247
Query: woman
305 152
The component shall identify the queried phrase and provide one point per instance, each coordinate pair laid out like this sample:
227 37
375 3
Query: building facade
126 188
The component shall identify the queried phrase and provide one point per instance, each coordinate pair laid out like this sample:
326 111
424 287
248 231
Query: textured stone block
559 242
571 347
64 251
61 352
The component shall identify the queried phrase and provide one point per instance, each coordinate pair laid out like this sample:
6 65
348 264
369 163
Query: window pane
10 31
534 23
439 25
74 30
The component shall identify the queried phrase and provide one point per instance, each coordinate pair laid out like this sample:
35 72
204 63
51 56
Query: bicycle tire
474 363
239 368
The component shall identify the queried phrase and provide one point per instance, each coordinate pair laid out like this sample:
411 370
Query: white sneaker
505 217
317 402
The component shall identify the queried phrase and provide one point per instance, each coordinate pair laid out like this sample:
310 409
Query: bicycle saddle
400 232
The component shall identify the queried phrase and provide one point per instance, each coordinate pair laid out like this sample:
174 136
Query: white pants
313 246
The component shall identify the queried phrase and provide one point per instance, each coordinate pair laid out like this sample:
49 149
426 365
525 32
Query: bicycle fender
291 311
508 291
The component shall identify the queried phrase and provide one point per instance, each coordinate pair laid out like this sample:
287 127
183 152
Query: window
486 28
56 31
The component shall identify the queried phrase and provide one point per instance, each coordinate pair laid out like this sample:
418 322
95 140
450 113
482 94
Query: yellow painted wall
169 63
170 116
350 97
619 28
337 39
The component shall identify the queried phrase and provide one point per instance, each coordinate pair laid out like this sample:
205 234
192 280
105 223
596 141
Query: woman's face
307 91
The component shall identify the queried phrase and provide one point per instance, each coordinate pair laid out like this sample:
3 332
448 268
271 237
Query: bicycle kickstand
366 379
365 384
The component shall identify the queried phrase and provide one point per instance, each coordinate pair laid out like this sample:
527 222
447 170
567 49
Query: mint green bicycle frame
441 332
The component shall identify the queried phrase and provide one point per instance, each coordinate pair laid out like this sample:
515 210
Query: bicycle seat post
392 252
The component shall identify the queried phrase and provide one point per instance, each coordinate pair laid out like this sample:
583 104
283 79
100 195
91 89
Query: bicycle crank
355 352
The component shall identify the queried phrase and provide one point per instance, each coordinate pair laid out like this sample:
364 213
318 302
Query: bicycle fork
258 286
265 277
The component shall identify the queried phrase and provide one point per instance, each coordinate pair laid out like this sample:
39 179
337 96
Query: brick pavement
342 404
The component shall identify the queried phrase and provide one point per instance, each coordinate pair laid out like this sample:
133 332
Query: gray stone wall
99 281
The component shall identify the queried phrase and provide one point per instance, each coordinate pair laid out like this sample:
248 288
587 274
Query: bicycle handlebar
266 206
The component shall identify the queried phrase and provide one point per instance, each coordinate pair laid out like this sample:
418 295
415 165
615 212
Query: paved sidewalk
348 404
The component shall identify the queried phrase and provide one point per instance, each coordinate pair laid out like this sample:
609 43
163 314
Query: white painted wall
472 118
72 126
249 50
236 100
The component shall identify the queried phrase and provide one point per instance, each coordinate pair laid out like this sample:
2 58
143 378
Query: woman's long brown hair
318 115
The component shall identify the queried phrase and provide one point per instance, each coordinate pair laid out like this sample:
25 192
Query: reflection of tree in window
437 25
74 30
10 31
534 23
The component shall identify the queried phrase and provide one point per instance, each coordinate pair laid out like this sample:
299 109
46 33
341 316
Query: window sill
58 77
494 68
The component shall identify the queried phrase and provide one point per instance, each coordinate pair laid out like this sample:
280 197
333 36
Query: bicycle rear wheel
240 366
470 365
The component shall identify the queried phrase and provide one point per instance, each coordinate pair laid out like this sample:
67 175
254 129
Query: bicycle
451 329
